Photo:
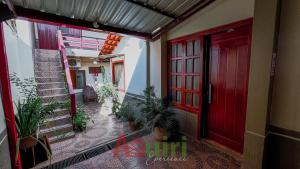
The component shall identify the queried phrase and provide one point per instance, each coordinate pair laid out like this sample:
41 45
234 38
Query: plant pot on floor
79 128
32 152
159 133
132 125
28 142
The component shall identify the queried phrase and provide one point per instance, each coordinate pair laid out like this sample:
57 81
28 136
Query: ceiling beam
5 13
38 16
189 12
144 5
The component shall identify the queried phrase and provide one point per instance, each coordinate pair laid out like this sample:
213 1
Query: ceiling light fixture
156 30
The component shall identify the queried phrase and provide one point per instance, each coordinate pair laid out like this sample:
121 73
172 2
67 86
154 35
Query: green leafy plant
106 91
81 119
126 112
31 112
155 113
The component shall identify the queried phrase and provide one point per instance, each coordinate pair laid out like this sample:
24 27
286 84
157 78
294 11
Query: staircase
51 87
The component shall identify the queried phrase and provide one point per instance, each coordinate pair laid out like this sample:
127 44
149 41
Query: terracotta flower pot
28 142
33 152
159 133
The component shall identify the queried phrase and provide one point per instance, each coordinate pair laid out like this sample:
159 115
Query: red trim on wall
8 104
113 74
217 29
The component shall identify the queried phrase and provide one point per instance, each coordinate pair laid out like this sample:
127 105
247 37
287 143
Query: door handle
210 93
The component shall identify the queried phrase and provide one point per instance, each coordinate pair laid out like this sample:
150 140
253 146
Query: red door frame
8 104
237 145
208 32
113 73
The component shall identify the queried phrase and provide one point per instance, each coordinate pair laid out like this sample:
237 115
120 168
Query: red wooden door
229 65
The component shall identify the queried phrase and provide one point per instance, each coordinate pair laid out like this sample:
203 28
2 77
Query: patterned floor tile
200 156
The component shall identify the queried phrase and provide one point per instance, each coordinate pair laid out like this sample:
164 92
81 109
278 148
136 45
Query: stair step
56 121
54 98
47 59
49 79
52 91
44 53
48 68
49 73
57 130
58 112
46 64
51 85
62 137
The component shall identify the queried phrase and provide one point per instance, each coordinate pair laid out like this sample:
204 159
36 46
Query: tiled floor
200 155
103 127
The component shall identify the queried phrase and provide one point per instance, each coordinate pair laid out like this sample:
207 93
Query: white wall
134 51
19 50
155 66
219 13
2 117
90 80
286 96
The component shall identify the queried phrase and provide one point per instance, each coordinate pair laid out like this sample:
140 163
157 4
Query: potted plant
31 113
127 113
81 119
156 116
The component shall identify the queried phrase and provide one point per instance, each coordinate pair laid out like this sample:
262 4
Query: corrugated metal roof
116 13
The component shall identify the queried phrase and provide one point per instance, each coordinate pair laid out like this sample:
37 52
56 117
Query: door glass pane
173 95
174 50
196 83
178 82
80 83
173 81
178 96
189 82
189 48
197 47
189 65
188 99
195 100
179 66
179 50
173 66
197 65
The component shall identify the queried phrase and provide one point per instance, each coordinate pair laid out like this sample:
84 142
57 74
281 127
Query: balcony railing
83 42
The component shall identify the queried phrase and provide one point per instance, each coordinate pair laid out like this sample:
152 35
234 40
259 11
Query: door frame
245 31
206 76
205 34
113 73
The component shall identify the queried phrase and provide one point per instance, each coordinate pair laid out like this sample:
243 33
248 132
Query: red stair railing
65 64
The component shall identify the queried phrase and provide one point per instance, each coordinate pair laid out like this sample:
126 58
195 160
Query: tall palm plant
155 113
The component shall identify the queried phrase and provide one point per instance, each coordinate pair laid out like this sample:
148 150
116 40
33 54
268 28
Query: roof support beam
191 11
152 8
5 13
38 16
